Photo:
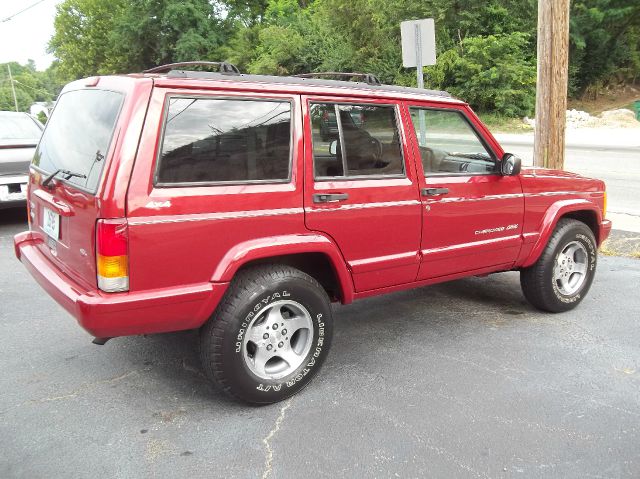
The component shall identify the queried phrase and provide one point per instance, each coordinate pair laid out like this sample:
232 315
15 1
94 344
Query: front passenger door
472 215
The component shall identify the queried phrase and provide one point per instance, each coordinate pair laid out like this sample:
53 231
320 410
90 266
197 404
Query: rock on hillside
620 118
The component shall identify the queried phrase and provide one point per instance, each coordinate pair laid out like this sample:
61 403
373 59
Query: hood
536 179
548 172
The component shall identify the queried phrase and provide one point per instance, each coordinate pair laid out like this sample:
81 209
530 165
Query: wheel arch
589 218
578 209
313 254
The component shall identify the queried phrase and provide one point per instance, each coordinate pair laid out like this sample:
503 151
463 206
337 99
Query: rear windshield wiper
66 173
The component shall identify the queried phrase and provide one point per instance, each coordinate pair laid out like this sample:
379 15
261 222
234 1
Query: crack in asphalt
268 460
76 392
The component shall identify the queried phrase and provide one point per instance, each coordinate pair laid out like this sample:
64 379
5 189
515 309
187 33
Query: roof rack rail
367 77
223 67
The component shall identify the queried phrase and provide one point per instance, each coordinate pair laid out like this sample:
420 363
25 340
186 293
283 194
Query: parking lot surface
463 379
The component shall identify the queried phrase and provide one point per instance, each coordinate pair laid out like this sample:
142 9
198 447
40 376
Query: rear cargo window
78 134
209 140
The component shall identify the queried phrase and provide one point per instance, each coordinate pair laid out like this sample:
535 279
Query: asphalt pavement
460 380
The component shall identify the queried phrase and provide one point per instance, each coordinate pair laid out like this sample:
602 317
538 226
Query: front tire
268 336
563 274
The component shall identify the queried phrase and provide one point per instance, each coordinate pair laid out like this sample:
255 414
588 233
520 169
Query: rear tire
563 274
269 335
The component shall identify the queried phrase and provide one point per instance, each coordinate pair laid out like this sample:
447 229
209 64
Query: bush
492 73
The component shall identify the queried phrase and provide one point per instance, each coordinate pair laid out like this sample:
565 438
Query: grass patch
503 124
620 247
605 250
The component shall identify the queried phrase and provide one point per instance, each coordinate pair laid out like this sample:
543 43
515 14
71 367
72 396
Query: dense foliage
605 43
486 50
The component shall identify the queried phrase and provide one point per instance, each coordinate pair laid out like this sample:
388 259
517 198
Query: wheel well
587 217
316 265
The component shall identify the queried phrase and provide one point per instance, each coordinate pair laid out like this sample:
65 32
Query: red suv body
197 178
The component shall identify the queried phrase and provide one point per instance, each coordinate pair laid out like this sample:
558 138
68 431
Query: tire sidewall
245 383
584 237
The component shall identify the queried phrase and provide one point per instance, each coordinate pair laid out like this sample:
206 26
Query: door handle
329 197
434 191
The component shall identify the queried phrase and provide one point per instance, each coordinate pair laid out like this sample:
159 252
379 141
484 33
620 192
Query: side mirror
510 165
333 147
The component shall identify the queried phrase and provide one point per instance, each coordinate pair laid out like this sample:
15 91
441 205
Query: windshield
78 134
15 126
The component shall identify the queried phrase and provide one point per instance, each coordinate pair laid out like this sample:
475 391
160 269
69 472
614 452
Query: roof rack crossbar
223 67
367 77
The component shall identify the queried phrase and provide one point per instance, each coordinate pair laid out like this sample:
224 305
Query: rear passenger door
360 189
214 169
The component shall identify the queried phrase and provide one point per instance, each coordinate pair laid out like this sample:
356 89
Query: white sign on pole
418 42
418 50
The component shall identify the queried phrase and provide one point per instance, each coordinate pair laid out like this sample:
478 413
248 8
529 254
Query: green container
636 107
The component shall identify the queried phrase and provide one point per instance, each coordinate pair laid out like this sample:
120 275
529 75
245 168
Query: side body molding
550 220
273 246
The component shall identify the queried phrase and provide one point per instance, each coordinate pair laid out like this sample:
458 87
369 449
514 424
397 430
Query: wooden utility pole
553 77
13 88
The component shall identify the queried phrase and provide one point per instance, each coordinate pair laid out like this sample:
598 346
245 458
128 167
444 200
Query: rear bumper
605 229
107 315
13 191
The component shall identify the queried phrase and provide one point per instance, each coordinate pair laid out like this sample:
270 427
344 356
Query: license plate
51 223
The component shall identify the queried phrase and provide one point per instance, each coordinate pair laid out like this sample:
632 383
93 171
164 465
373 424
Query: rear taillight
112 255
30 211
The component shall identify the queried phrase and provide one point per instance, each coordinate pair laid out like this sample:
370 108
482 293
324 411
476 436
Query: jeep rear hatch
66 172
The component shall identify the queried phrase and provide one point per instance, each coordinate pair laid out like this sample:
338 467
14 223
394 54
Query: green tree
6 99
42 118
249 12
82 33
605 43
492 73
95 37
30 86
486 50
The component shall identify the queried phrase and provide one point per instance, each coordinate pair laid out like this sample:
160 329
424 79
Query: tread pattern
533 280
243 284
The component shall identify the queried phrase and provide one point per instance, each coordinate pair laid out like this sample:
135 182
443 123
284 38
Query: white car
19 136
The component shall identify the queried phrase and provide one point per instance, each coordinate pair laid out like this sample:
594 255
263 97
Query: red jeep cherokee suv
175 200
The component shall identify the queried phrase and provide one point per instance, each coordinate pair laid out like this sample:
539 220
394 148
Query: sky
26 36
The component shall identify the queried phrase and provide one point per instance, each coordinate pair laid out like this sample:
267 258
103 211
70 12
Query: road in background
619 169
461 380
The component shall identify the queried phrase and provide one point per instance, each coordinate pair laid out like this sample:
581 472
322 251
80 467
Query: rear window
365 142
209 140
18 127
78 134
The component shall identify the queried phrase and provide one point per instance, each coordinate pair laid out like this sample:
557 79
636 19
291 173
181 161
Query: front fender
273 246
556 211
